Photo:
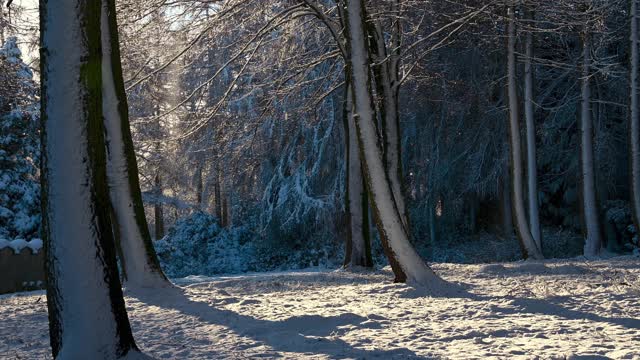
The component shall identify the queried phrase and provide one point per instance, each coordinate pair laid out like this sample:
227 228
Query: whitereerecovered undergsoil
553 309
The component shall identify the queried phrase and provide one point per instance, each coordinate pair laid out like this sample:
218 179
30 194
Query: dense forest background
237 114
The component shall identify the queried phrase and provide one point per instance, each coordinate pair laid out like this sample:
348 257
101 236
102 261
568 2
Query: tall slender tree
529 246
2 25
634 113
404 260
87 315
530 130
589 210
386 61
140 264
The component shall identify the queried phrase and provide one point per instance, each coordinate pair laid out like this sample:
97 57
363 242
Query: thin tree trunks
530 129
433 230
225 212
87 315
140 264
218 193
528 244
199 187
590 218
404 260
634 114
506 208
157 209
2 26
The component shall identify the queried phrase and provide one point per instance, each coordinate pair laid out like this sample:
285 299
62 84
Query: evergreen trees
19 147
256 127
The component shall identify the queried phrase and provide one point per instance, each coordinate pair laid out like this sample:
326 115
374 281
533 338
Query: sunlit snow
551 310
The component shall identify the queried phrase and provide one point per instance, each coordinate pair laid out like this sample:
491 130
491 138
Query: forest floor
555 309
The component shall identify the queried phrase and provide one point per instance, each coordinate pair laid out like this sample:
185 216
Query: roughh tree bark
529 246
140 264
530 129
358 249
591 222
634 114
87 315
404 260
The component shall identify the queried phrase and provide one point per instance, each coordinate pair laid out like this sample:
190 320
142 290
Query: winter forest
319 179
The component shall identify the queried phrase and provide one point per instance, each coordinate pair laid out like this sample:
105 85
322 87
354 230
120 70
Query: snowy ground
551 310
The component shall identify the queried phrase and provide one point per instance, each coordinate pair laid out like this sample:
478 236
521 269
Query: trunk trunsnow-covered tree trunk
530 129
87 315
358 249
386 80
529 246
634 114
140 264
590 218
405 261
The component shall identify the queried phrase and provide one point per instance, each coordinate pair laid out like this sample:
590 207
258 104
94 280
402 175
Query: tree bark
433 230
199 187
404 260
386 79
528 244
634 114
87 314
157 209
358 249
218 193
507 211
530 129
590 218
140 263
225 212
1 24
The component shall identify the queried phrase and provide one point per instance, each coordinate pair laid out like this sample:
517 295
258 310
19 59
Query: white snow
551 309
19 244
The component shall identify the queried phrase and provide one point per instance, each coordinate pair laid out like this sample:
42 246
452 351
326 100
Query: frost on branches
19 147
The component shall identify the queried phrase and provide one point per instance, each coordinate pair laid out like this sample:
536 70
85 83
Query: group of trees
254 95
314 121
19 147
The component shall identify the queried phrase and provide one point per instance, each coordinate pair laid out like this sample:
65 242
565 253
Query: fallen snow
552 310
19 244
